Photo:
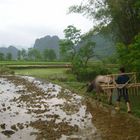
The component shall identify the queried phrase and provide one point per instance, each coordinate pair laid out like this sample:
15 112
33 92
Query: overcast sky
23 21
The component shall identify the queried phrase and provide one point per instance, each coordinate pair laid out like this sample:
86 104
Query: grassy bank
45 73
55 75
31 63
61 77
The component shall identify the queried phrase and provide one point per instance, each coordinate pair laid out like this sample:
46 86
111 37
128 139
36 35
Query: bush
91 72
129 55
5 71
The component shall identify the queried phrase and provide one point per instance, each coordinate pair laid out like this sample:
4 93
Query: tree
69 45
19 55
1 56
45 54
125 18
121 18
129 56
23 54
78 47
52 55
34 54
86 50
66 50
49 54
9 56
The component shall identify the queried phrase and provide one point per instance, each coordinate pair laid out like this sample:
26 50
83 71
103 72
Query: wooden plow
132 85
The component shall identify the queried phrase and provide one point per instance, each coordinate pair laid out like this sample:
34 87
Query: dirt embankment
113 125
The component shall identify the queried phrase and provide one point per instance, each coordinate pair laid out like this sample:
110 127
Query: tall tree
78 47
130 56
23 54
49 55
120 17
69 45
52 55
34 54
8 56
1 56
19 55
86 50
45 54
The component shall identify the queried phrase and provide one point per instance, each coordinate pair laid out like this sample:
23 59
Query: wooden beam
113 86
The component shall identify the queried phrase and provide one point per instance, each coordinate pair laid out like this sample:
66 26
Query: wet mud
114 125
36 110
31 109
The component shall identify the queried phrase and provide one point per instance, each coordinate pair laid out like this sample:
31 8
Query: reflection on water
31 109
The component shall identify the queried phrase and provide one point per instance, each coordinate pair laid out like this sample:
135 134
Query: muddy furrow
31 109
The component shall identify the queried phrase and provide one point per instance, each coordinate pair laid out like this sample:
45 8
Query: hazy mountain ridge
104 46
47 42
11 49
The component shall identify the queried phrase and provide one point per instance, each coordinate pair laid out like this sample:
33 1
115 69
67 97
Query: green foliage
53 74
90 73
66 49
40 63
34 54
1 56
120 18
22 54
112 59
129 56
49 55
69 45
19 55
86 50
78 48
5 71
73 34
8 56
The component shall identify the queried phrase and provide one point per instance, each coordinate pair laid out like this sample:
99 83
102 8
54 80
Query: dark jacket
122 79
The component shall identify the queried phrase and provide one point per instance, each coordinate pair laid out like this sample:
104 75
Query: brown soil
114 125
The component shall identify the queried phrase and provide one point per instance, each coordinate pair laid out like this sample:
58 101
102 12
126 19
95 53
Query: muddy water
35 110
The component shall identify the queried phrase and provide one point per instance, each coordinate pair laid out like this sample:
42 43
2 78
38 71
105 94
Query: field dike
34 110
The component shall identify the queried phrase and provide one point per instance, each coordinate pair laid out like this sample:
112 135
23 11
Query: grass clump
5 70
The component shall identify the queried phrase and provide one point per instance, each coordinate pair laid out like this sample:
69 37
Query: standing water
36 110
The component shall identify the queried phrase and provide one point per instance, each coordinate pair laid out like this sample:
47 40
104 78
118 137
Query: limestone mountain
47 42
11 49
104 45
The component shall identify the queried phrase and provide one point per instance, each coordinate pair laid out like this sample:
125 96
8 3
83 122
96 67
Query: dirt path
36 110
113 125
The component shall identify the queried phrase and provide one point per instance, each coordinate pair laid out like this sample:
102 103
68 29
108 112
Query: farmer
122 90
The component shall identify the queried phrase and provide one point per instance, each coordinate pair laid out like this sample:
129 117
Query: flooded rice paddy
36 110
32 109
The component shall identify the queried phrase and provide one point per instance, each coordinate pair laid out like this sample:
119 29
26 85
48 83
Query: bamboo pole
113 86
129 73
132 85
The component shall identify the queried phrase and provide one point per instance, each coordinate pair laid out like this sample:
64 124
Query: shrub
129 56
5 71
91 72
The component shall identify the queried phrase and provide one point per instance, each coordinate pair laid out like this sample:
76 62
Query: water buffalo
96 86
